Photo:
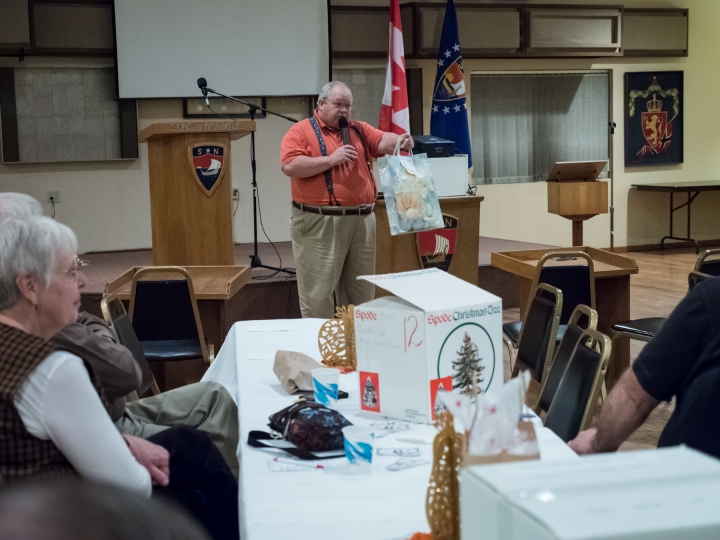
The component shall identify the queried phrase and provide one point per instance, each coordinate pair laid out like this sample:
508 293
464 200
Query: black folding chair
706 266
564 352
536 343
575 400
165 317
117 319
576 281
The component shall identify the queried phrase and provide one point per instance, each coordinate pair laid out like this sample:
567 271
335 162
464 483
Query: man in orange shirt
333 190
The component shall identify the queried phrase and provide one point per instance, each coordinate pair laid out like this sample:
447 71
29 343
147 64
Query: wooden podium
400 253
575 193
191 190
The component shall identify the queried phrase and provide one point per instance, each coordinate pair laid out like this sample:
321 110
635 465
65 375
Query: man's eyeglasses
339 105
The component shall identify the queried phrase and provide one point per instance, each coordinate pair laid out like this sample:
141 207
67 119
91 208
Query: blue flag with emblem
448 118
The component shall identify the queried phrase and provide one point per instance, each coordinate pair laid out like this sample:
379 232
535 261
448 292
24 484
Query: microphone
202 85
344 129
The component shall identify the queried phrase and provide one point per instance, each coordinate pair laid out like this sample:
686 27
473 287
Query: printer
433 146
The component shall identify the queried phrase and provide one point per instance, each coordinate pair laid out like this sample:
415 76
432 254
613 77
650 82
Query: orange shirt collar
323 125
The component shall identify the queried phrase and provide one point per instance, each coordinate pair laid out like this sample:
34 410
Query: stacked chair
117 319
563 354
576 281
536 343
573 404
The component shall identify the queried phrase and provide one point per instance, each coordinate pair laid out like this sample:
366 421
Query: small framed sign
220 106
653 118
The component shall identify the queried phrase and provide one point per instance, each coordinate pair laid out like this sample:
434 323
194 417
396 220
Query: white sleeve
58 402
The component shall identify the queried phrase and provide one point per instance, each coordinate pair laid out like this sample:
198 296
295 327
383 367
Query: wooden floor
654 292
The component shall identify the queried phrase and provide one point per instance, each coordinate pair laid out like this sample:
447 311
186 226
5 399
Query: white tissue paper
491 420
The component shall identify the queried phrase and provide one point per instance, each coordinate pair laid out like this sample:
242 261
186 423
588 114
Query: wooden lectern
575 193
400 253
191 190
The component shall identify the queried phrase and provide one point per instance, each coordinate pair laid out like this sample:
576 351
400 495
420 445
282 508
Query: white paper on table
288 465
261 355
275 328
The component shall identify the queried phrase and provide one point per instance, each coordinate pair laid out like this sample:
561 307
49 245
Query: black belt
362 210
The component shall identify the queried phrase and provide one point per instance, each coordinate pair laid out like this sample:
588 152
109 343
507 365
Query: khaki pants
204 405
330 252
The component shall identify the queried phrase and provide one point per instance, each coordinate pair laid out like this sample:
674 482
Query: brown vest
22 454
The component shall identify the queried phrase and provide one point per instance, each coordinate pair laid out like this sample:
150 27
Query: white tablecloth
320 504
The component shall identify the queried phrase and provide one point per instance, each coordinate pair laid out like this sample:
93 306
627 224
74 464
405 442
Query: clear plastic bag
410 196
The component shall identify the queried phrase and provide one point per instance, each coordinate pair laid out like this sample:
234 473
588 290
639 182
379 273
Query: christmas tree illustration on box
369 394
439 408
467 366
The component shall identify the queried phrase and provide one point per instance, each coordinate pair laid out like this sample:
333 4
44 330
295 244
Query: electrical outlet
235 194
52 196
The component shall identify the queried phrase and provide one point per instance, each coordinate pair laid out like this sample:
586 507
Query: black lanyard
323 151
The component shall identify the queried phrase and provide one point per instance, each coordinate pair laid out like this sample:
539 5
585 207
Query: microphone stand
255 261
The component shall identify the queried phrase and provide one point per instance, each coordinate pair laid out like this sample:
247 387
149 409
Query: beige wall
107 203
519 211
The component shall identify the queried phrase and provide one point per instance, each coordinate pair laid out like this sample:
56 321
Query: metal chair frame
579 311
208 349
577 254
703 256
601 341
108 304
512 349
549 353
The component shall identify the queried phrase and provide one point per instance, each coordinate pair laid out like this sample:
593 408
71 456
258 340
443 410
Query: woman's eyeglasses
72 274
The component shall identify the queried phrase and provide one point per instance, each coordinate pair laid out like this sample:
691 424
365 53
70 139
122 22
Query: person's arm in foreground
626 408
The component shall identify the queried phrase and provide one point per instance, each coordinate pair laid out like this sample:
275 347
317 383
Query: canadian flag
394 114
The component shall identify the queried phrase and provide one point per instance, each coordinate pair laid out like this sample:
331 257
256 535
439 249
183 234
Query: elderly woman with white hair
53 417
18 205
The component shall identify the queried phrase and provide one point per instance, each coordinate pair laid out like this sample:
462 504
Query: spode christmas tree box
437 333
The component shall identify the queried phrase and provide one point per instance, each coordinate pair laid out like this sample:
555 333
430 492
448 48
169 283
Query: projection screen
241 47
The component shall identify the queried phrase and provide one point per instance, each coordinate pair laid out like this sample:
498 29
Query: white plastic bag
410 196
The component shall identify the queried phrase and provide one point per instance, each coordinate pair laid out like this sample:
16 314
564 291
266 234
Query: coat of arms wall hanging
653 118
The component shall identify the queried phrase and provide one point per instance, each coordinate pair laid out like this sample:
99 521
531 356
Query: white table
316 504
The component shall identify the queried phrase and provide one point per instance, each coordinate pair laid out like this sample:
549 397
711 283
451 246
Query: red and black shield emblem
207 161
654 125
436 247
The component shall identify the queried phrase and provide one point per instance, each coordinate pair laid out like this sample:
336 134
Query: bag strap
255 439
396 152
323 151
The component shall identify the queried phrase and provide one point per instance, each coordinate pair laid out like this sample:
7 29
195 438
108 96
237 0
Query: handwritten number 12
408 323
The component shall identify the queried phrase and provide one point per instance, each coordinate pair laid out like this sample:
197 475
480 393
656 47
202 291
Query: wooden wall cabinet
580 31
50 28
514 30
655 32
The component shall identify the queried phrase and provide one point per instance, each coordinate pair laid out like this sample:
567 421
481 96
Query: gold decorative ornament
442 504
336 339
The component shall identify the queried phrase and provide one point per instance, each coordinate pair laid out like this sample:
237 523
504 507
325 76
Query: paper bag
293 370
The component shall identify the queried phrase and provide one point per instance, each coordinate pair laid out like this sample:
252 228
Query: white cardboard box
670 493
450 175
408 344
